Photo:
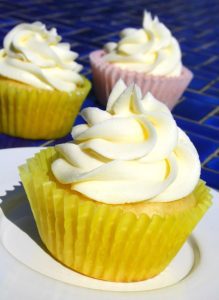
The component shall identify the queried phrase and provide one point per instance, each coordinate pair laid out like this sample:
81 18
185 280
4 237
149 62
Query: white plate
23 262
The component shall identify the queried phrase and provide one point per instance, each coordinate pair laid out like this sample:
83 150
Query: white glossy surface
9 160
20 282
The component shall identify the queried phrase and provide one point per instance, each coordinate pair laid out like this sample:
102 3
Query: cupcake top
151 50
131 152
35 56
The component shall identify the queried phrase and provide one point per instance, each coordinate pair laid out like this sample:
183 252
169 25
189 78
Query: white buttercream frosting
34 55
131 152
150 50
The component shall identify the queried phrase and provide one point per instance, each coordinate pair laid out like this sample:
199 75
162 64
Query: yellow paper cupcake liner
28 112
103 241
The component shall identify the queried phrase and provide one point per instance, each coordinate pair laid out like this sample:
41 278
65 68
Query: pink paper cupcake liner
166 89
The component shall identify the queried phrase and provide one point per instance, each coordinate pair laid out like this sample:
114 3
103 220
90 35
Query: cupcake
119 202
41 90
149 56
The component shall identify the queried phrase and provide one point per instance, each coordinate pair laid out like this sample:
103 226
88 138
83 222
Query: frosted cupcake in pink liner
149 56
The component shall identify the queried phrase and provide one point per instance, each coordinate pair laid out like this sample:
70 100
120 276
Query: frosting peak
151 49
34 55
131 152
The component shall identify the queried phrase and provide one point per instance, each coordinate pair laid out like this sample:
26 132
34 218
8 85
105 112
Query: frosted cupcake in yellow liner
149 56
119 202
41 90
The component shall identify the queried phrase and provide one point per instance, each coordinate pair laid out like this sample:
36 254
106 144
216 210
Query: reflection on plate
24 262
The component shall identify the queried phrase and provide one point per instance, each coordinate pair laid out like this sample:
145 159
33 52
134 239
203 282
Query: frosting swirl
151 49
131 152
34 55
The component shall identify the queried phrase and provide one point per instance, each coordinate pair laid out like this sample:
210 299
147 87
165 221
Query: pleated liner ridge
99 240
28 112
166 89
